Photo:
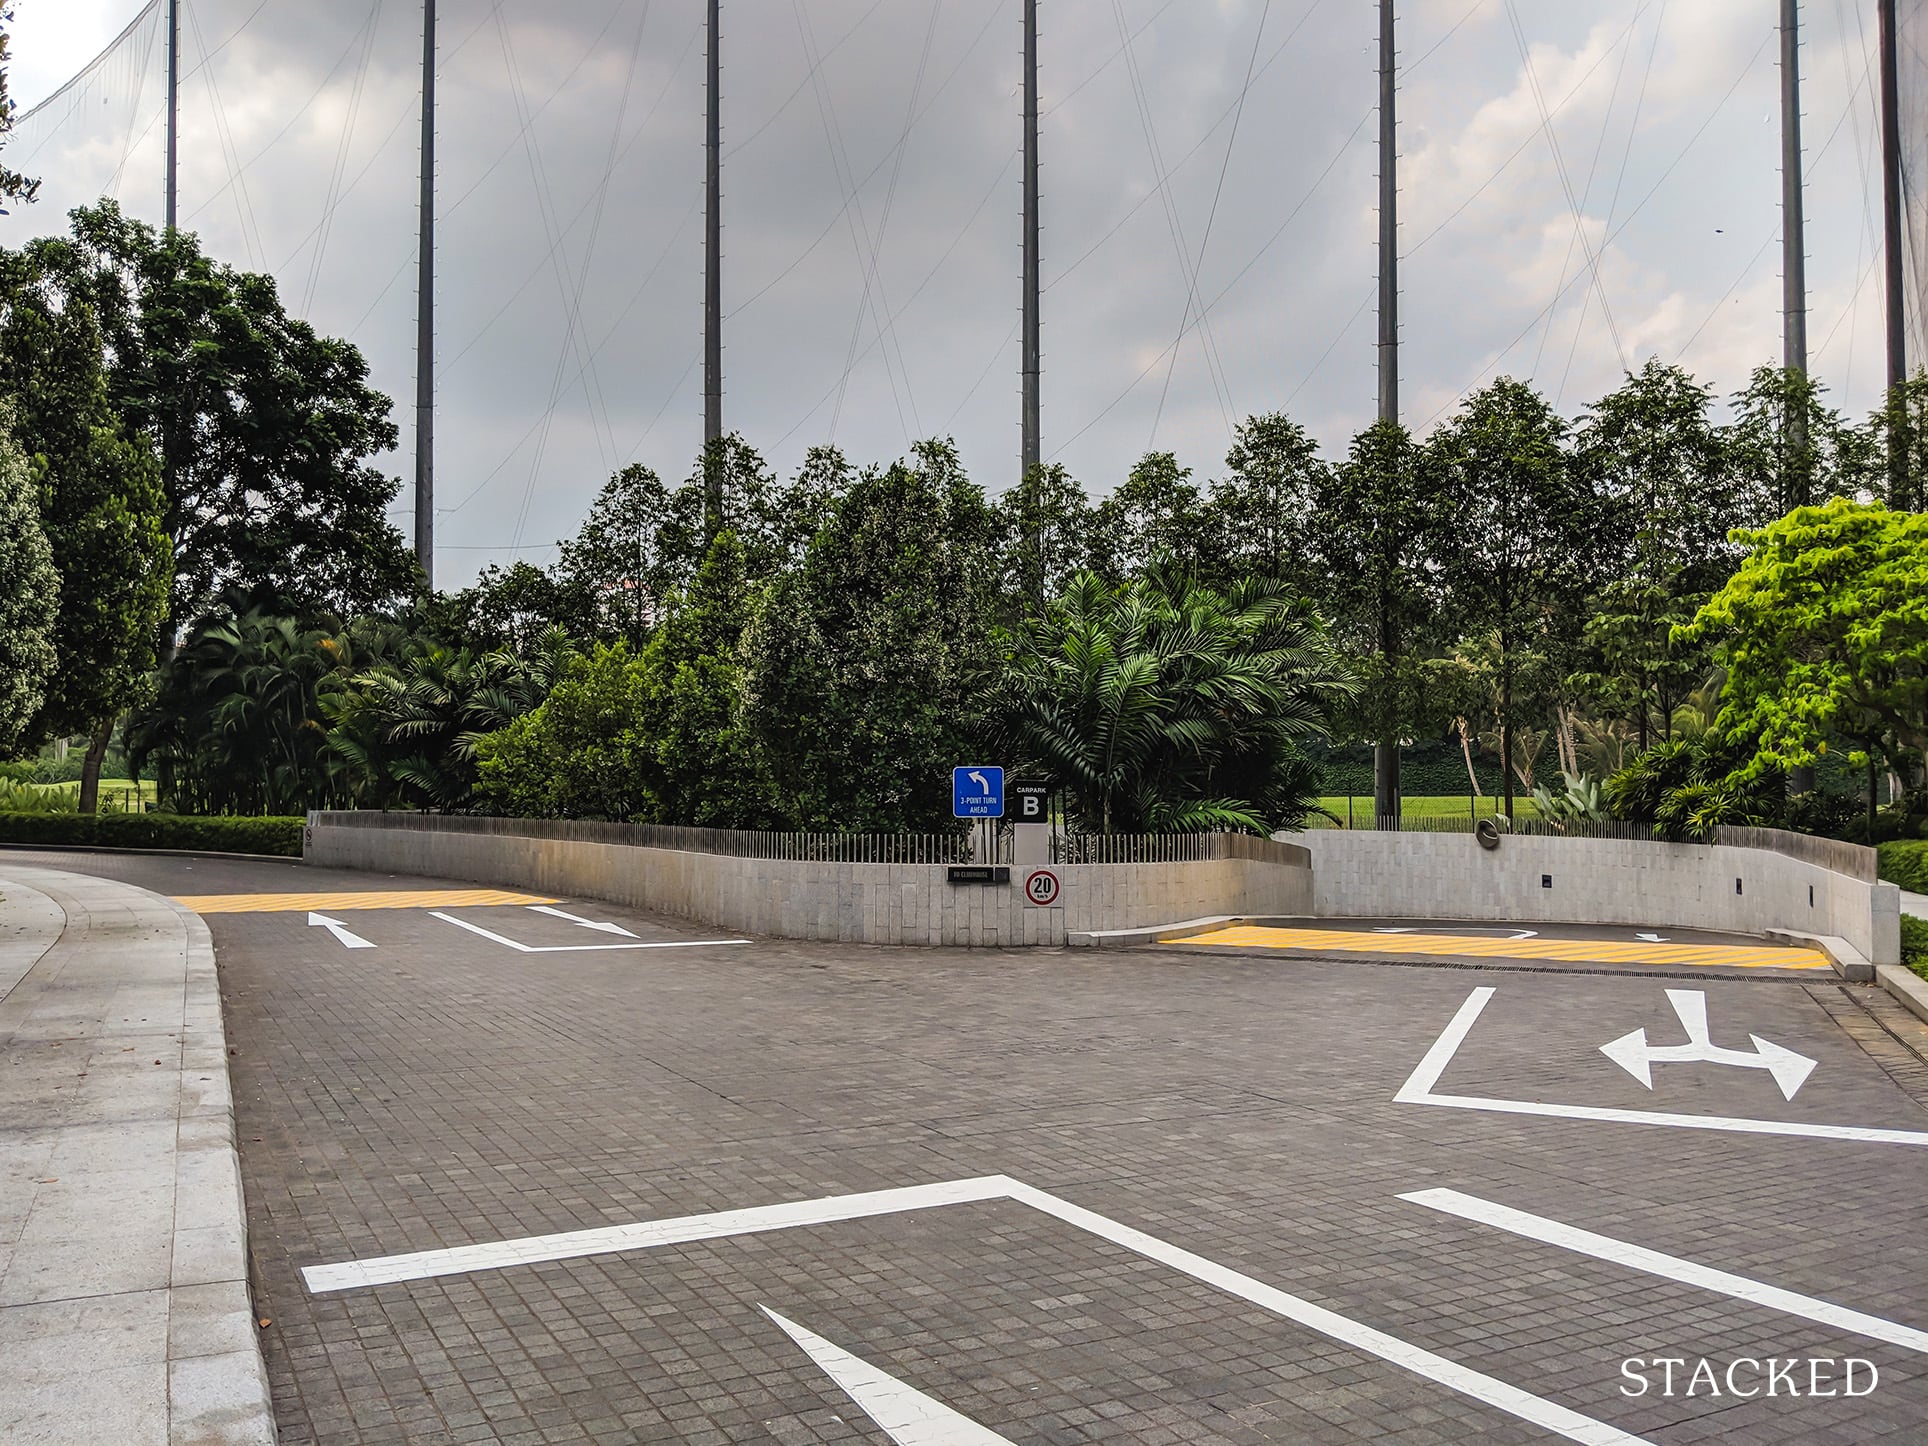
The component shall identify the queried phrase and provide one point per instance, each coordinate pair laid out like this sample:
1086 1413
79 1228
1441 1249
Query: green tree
1257 516
101 505
509 609
1162 705
578 755
864 669
1513 551
1372 521
29 596
802 508
1156 513
1668 495
733 490
13 185
407 729
1824 629
1043 530
1897 433
1791 449
264 428
619 561
237 723
703 763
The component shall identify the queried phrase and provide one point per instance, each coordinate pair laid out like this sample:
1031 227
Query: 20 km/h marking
609 1240
1419 1086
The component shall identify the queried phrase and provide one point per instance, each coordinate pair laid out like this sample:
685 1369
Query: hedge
1914 944
281 836
1906 863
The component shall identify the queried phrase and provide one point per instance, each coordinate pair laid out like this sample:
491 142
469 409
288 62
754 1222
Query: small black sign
1032 802
978 874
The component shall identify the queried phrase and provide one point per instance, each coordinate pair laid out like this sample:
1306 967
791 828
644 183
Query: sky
1583 186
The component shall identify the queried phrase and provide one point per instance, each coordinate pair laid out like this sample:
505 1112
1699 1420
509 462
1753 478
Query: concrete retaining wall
1531 879
856 903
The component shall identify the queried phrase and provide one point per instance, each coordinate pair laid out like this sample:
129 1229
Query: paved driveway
515 1178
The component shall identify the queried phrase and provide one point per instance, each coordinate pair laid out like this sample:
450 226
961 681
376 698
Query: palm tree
1161 705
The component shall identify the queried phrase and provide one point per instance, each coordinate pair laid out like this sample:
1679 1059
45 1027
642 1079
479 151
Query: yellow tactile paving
373 899
1590 951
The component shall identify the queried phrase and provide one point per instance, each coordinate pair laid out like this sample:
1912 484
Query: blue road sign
977 791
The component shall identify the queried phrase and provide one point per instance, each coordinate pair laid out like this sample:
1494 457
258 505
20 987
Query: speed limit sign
1041 887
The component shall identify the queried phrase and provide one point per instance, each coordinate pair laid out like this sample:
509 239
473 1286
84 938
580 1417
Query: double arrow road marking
1637 1057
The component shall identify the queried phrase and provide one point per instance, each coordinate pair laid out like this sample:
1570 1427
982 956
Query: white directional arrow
1455 929
1650 938
340 931
903 1413
606 928
1633 1054
983 783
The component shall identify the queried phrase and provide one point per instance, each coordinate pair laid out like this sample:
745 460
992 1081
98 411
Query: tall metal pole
1032 446
173 200
425 316
1794 350
1900 485
1385 752
713 286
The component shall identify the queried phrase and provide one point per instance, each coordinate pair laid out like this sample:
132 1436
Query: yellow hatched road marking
374 899
1591 951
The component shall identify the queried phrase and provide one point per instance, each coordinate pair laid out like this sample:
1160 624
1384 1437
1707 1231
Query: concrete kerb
1849 962
124 1305
1157 934
1907 986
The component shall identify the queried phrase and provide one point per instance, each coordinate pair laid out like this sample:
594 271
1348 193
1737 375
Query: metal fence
1857 861
974 846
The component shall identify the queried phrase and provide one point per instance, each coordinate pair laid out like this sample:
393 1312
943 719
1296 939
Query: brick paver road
442 1089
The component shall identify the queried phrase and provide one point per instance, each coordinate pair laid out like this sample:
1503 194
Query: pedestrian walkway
124 1308
1916 904
1459 946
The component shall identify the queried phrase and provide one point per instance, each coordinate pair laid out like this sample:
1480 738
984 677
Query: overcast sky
871 213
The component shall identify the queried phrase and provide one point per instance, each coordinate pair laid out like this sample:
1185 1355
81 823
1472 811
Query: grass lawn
120 795
1432 806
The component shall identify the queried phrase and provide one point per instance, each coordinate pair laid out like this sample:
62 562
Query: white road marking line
1672 1267
901 1411
346 938
1467 1381
1418 1090
612 1239
603 926
1418 1087
522 948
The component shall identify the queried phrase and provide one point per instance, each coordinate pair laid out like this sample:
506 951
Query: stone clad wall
857 903
1368 874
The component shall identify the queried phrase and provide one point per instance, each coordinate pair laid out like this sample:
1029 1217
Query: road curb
1907 986
1155 934
131 978
1849 962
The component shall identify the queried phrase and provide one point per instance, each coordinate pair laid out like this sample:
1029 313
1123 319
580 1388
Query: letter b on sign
1033 802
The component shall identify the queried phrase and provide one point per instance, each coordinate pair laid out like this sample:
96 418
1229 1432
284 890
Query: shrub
26 798
1914 944
1906 863
277 836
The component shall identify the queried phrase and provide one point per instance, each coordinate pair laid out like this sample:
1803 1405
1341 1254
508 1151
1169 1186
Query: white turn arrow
1650 938
340 931
1633 1054
605 928
1455 929
983 783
